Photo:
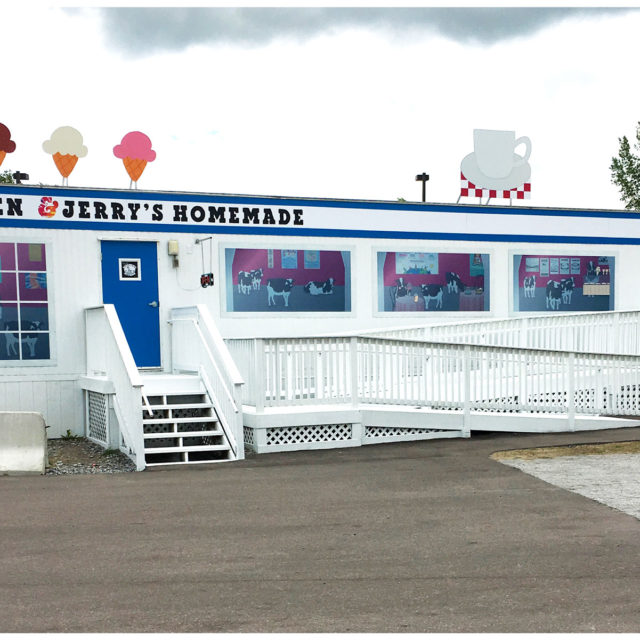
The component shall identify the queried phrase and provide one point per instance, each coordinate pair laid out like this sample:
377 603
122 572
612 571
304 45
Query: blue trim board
300 231
170 196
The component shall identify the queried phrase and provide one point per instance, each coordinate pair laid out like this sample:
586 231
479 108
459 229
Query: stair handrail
113 359
226 427
215 365
213 358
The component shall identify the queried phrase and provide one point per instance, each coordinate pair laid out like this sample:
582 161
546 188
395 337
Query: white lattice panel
98 417
308 433
384 432
249 440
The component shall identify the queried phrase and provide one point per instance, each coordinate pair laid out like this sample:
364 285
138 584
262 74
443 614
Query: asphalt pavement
430 536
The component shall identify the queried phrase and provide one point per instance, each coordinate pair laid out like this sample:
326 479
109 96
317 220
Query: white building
281 267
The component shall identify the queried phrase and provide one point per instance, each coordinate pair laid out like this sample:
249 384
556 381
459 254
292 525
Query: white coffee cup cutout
495 151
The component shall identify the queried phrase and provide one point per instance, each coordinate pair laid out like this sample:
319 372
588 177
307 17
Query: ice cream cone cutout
65 145
135 151
7 145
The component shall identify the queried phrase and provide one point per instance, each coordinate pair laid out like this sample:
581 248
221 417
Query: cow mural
565 283
442 282
275 280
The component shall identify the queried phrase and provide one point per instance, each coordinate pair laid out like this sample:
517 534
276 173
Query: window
419 282
24 302
563 283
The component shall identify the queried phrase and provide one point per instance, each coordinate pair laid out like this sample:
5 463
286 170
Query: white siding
74 272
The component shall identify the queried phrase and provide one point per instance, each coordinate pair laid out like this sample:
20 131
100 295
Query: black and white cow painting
454 283
279 287
245 282
592 272
432 292
567 285
554 295
591 276
28 339
400 289
529 287
316 288
256 278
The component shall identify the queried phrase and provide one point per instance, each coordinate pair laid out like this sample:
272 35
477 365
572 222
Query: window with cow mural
24 302
287 280
421 282
563 283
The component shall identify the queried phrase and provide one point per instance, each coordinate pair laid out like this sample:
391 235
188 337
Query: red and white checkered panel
469 190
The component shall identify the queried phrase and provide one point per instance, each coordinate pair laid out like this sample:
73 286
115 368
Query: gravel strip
612 479
76 456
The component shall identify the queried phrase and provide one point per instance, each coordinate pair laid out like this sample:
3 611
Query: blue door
130 283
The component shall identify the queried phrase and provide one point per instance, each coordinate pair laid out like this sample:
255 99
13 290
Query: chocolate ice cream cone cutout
7 145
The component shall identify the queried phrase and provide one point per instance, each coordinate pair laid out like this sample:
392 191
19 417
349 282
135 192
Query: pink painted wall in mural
455 262
331 265
567 266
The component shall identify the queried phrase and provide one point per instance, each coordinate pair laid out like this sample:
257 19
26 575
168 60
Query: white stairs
180 423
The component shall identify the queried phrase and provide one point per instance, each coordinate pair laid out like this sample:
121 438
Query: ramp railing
441 375
602 332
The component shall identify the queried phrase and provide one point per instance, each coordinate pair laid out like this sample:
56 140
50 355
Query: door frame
101 239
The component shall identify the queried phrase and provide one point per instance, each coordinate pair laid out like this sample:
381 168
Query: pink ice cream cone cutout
7 145
135 151
65 145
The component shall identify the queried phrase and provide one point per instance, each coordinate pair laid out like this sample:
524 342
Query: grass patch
70 436
569 450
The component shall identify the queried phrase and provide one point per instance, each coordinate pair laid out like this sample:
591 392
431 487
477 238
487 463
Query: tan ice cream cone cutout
65 146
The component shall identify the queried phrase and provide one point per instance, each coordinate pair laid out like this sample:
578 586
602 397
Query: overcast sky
323 102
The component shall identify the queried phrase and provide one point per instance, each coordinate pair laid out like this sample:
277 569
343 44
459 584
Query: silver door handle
153 304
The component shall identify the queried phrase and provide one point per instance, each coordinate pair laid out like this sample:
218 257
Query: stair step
171 384
183 434
193 405
203 447
180 420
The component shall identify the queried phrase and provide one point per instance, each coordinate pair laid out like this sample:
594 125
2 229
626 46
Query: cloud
143 31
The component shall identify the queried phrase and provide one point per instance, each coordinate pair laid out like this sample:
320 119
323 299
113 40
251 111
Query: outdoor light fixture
423 177
206 279
18 177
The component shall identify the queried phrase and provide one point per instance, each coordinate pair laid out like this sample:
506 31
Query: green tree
625 172
5 177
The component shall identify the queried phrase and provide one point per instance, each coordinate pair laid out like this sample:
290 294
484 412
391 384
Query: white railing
109 356
198 347
605 332
372 370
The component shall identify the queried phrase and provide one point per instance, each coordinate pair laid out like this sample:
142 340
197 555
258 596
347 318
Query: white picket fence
354 370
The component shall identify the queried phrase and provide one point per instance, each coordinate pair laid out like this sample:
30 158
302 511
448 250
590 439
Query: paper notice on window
544 266
35 253
575 266
564 266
